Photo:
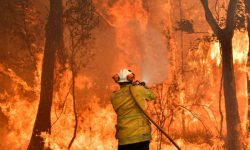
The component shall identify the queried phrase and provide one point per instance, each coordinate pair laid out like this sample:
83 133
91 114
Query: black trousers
135 146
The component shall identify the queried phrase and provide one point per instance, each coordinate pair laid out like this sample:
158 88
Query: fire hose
151 120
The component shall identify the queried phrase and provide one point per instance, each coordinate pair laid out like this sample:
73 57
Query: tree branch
247 3
74 108
230 22
108 22
220 109
210 19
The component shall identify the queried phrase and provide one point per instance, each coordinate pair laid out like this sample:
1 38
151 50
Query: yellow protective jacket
132 126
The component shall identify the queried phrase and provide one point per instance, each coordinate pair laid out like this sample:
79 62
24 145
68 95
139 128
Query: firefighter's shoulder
113 94
138 86
115 91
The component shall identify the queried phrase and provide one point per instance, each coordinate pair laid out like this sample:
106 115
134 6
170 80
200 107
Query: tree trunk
248 72
248 94
74 107
54 42
182 78
247 4
225 36
231 104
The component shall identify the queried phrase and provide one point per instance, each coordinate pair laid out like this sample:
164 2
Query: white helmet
124 75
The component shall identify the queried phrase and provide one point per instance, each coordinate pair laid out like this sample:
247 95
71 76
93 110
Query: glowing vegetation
167 43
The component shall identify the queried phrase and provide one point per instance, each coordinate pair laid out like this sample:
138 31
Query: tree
247 4
225 36
53 43
80 19
20 33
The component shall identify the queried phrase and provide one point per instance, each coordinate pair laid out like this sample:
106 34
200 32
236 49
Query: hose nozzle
137 82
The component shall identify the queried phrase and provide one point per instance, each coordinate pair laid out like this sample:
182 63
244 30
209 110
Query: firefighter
133 129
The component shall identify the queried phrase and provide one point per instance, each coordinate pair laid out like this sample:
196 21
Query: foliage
20 36
240 17
185 25
80 20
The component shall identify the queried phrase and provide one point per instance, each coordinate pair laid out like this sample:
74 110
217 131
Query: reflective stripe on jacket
132 126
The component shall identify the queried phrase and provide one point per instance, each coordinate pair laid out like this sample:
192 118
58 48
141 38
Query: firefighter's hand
136 82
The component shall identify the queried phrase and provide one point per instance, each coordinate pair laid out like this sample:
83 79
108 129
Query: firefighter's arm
145 92
149 94
142 93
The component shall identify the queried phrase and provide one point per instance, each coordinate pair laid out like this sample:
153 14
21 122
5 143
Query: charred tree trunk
54 42
247 4
231 105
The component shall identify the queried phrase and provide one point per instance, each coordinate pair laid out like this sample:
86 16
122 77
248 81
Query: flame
240 49
137 37
96 130
128 27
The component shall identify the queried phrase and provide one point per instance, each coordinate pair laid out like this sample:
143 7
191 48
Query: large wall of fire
182 66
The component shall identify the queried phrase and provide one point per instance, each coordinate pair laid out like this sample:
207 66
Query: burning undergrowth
189 102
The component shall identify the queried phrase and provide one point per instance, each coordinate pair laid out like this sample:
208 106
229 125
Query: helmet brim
123 81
